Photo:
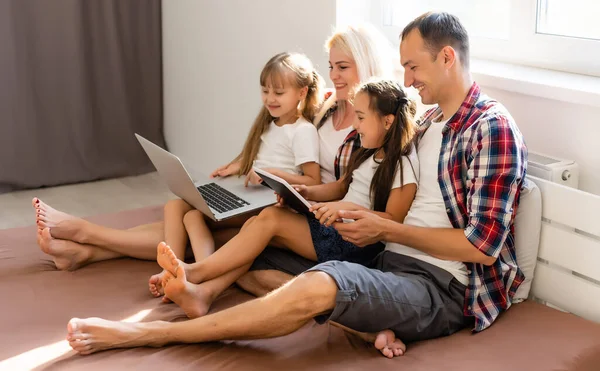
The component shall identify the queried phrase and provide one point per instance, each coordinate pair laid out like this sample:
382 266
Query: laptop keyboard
220 199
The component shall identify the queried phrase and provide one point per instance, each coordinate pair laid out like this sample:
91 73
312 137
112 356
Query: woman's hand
226 170
329 212
252 178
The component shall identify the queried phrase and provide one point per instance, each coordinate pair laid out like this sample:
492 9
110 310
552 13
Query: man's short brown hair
439 30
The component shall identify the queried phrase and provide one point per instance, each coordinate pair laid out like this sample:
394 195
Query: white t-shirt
289 146
428 208
360 187
330 141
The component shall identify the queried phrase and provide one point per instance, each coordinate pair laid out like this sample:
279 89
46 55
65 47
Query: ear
303 92
448 55
388 121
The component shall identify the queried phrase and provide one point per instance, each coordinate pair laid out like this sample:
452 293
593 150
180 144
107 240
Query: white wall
213 52
561 129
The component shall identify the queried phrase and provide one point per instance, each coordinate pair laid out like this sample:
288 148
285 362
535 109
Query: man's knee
313 292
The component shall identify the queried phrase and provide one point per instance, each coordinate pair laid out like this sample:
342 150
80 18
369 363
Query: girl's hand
300 188
329 212
252 178
280 200
226 170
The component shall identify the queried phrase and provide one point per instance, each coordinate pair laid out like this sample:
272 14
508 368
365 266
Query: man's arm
494 175
443 243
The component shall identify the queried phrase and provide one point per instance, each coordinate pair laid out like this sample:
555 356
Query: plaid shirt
481 171
351 143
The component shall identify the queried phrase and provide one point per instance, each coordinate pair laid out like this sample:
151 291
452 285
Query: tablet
292 198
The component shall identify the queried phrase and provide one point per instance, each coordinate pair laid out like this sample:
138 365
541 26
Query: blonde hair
293 68
371 52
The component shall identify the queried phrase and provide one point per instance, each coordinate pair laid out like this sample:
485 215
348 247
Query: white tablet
292 198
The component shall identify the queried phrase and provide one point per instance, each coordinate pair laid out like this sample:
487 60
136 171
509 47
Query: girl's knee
272 213
193 216
179 206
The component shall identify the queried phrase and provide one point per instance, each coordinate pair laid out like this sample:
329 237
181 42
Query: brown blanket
37 301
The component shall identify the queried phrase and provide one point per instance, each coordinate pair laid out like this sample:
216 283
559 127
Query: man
451 264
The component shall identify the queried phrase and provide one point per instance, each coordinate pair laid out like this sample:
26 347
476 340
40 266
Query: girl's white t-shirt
330 141
360 187
289 146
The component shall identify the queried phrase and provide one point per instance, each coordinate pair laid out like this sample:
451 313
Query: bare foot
64 226
155 285
67 255
167 259
193 299
87 336
388 345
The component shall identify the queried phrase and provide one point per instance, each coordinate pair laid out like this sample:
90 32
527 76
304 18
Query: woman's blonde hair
292 68
369 49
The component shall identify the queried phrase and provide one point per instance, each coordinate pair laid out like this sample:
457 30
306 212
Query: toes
73 326
46 234
77 336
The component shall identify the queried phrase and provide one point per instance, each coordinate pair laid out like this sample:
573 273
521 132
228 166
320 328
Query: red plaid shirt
481 171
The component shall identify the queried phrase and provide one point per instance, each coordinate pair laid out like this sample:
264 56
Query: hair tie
402 101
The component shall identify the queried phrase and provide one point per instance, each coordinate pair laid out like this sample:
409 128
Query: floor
85 199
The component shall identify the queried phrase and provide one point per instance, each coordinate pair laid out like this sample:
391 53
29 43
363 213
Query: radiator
557 170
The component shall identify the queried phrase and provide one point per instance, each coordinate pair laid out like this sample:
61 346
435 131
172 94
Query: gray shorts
415 299
281 260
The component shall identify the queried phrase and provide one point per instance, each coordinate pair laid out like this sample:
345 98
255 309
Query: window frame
524 47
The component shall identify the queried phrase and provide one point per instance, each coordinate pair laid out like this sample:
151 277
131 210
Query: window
560 35
573 18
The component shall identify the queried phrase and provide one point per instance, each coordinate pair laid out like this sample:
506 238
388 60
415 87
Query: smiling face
369 124
281 98
425 72
342 72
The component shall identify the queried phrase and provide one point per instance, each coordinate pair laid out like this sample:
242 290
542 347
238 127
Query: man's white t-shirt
330 141
428 208
360 187
289 146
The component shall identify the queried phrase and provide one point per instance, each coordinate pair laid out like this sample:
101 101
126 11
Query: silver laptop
218 198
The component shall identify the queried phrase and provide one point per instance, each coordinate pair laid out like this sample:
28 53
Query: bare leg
279 313
260 283
274 225
195 300
139 242
201 237
69 255
175 235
